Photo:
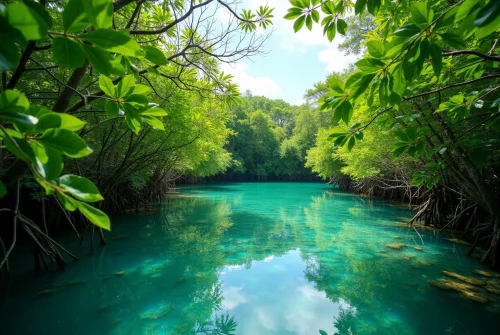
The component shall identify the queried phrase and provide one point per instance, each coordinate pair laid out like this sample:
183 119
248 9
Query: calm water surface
252 259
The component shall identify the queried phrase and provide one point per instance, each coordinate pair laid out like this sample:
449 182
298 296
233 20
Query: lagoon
253 258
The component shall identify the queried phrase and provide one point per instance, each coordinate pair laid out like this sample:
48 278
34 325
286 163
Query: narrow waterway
254 259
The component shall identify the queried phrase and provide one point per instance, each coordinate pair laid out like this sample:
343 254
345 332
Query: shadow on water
261 260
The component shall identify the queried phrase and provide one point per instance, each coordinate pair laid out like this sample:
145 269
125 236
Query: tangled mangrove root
44 247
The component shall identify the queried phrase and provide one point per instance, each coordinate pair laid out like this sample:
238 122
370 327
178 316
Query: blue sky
294 61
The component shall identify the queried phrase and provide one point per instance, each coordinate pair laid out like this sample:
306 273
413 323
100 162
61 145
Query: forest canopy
104 104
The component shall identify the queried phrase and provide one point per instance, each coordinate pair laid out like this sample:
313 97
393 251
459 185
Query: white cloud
257 85
335 59
233 297
268 259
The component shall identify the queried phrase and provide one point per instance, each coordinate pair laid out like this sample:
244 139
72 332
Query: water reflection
274 297
253 259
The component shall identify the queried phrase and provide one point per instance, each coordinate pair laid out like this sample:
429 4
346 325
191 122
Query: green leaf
49 162
18 118
66 142
74 17
30 18
96 216
114 41
331 30
359 135
80 188
369 64
67 53
488 14
398 81
99 12
154 111
13 101
134 121
126 86
15 143
328 8
112 109
351 143
384 91
68 202
107 86
309 22
293 13
299 23
102 61
3 190
315 15
374 6
336 132
376 49
453 40
59 120
407 31
154 122
437 59
336 85
141 89
155 55
359 7
137 100
398 149
360 86
421 14
341 27
9 52
345 110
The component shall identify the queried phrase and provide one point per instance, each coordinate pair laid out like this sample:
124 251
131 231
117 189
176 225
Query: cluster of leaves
40 138
433 40
129 99
260 18
28 20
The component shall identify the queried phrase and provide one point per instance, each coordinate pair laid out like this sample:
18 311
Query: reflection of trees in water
222 324
203 236
344 321
200 237
186 295
343 263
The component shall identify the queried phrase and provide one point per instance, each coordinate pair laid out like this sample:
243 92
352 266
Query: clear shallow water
258 258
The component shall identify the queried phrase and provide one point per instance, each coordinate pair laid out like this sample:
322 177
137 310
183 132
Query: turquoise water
252 258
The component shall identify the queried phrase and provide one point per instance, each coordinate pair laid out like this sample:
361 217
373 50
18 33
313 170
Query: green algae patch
475 296
156 313
492 289
447 284
457 241
71 283
44 293
396 246
470 280
487 273
102 307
